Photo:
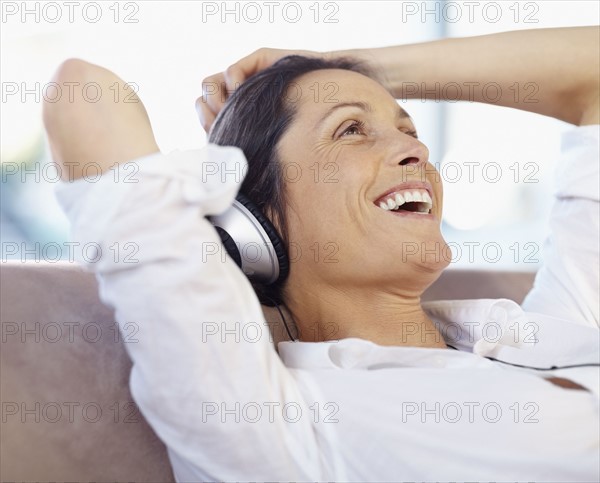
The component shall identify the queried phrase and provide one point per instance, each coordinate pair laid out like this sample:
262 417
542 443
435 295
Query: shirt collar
496 328
360 354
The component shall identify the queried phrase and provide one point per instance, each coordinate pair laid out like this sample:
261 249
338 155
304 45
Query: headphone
252 242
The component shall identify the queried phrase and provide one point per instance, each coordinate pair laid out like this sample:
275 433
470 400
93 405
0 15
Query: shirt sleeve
205 372
567 285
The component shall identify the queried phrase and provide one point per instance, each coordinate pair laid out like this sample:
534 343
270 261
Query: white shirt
228 407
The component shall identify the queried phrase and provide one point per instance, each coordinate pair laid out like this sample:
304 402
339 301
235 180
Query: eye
357 127
412 133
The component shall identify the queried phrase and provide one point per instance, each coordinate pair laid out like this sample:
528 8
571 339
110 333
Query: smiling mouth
414 200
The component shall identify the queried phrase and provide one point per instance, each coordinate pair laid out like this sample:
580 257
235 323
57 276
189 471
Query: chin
423 261
434 255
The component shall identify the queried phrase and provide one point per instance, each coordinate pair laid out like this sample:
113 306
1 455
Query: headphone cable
276 305
589 364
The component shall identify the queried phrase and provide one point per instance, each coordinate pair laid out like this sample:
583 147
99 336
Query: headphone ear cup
252 242
274 238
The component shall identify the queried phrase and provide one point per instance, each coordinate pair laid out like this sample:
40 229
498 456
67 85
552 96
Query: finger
214 92
205 114
234 77
248 66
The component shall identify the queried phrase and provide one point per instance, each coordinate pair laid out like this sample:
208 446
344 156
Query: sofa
67 413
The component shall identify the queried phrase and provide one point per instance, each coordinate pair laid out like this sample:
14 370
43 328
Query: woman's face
349 152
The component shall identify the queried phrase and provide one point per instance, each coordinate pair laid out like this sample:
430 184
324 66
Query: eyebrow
365 106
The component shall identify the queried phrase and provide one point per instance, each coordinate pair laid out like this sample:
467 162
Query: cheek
326 197
314 208
328 225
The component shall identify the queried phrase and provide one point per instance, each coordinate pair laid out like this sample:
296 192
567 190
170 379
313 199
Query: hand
217 88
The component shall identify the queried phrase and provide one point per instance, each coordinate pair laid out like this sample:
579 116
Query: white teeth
394 201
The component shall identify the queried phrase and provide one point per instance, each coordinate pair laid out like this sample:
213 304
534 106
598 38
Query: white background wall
167 48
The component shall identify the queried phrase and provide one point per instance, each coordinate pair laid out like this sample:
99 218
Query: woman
372 391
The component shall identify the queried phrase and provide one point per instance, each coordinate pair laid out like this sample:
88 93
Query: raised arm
553 72
548 71
205 373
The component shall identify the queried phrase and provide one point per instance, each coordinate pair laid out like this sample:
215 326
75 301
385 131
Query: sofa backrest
67 413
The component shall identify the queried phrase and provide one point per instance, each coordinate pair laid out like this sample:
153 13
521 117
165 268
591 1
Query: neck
382 317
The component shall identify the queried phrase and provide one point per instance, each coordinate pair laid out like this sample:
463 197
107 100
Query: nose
408 153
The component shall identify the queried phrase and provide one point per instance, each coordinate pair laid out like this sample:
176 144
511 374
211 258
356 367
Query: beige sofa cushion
64 355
